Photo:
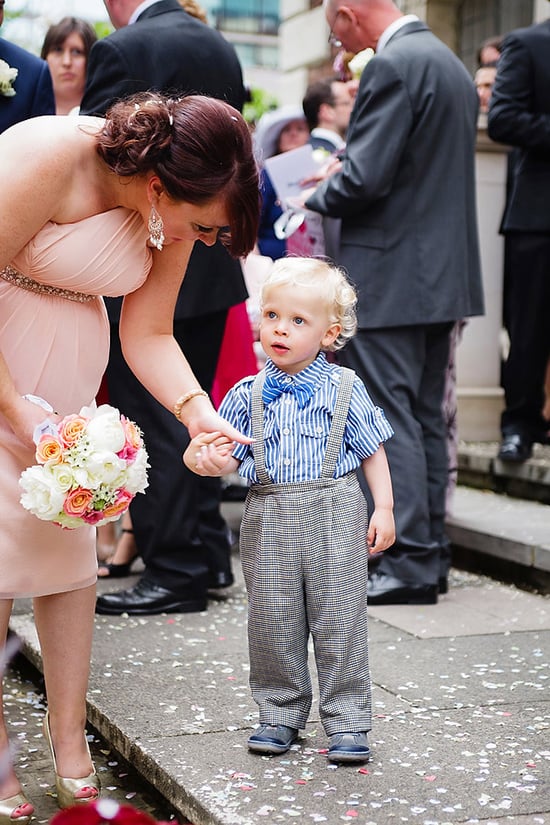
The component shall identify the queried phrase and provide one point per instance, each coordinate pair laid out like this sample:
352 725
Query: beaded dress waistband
13 276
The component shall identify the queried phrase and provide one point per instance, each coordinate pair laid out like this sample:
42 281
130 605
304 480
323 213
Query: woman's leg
9 784
125 548
65 622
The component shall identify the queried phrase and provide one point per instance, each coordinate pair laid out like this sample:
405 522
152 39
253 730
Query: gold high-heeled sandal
9 806
65 786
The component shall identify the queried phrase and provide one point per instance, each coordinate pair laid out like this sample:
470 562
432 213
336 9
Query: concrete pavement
461 702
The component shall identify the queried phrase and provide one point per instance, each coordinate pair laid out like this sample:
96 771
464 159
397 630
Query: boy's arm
381 532
209 454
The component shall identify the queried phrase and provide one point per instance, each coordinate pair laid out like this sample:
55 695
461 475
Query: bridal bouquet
90 467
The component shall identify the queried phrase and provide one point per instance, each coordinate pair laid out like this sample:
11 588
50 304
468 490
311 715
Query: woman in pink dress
93 207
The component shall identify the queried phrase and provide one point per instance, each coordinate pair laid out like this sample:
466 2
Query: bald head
358 24
120 11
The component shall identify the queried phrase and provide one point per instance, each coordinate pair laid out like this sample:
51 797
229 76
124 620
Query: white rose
62 475
41 494
359 61
104 430
7 76
136 474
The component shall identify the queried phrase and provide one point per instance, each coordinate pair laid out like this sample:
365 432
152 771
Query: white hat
270 126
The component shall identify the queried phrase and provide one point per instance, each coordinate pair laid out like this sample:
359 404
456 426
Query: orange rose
71 428
77 501
120 506
49 449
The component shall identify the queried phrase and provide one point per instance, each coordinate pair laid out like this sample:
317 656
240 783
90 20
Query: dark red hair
199 147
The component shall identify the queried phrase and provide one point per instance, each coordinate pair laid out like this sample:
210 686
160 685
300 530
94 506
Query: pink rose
77 501
133 441
93 516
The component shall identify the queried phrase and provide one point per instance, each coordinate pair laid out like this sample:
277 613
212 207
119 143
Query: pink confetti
322 750
430 778
363 770
301 782
531 764
246 787
351 813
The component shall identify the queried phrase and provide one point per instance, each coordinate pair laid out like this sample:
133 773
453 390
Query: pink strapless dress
58 349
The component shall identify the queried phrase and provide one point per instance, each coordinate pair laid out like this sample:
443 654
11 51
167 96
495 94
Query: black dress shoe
385 589
147 598
219 579
515 448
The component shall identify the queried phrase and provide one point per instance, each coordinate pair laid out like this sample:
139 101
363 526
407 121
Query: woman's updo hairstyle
199 147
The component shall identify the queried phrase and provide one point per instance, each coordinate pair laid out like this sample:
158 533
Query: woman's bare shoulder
51 146
44 163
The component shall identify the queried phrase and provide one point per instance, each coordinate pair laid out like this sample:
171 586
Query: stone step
479 467
498 534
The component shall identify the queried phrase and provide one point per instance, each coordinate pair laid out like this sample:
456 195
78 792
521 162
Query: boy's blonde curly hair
330 283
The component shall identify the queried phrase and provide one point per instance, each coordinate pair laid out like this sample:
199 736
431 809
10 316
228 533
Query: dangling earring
156 227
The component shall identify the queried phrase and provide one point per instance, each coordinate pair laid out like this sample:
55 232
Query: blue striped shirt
296 439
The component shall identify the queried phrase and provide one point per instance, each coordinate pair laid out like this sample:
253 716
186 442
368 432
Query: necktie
274 387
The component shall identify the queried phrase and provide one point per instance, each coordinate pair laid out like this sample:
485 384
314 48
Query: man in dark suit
406 196
32 85
519 115
179 531
327 105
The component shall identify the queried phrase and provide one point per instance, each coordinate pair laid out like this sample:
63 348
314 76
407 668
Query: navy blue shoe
272 739
348 747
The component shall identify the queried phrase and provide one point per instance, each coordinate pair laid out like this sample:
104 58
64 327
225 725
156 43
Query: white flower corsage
7 76
359 61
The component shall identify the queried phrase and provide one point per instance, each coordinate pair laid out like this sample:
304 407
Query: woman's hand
25 416
333 165
209 454
199 416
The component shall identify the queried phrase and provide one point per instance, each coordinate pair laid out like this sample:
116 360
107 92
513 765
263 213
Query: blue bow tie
274 387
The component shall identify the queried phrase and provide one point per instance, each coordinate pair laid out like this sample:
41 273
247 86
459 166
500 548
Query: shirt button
286 431
288 401
318 429
287 461
288 379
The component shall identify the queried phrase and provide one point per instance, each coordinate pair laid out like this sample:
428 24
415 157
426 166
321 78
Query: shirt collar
393 28
313 374
140 9
328 135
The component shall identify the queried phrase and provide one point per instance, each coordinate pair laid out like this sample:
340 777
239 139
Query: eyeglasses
332 39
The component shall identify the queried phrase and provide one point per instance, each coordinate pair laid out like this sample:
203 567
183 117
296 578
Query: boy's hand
209 454
381 532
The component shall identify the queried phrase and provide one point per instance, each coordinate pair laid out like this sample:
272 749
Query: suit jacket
406 191
33 86
519 115
169 51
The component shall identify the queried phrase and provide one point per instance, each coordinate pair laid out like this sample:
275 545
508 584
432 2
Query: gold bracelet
183 399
